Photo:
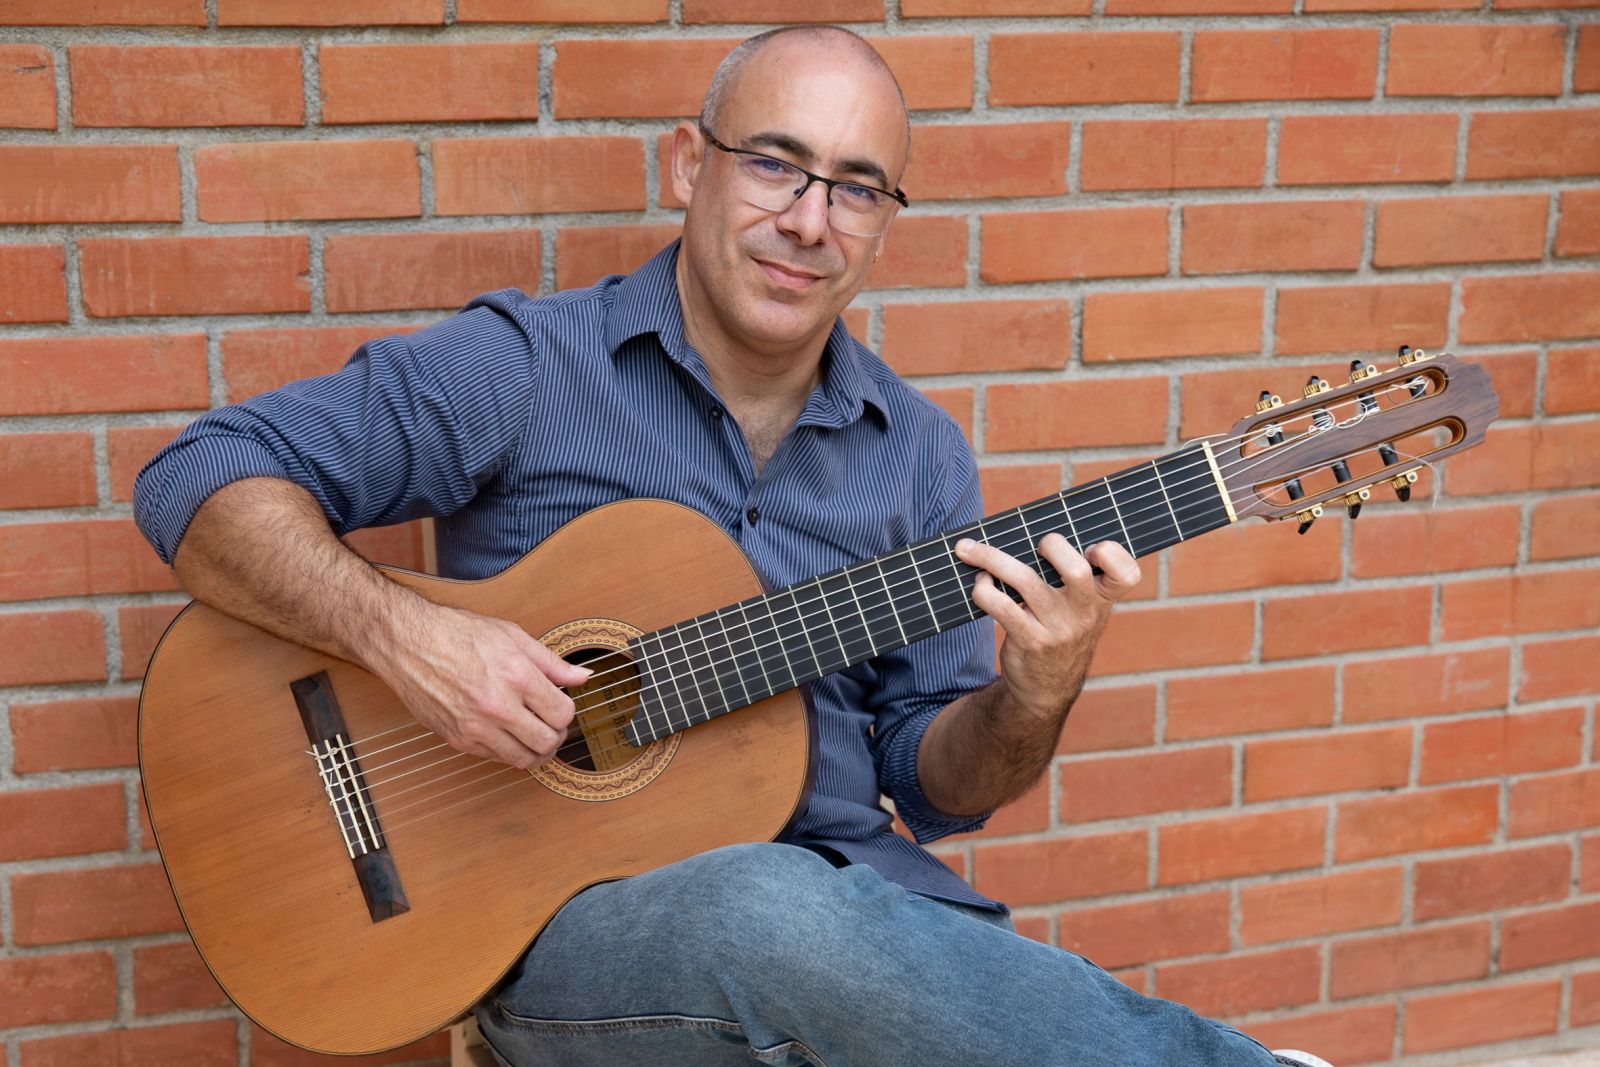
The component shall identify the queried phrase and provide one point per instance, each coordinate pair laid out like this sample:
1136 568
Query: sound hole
595 741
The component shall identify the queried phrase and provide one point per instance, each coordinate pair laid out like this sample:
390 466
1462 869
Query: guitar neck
732 657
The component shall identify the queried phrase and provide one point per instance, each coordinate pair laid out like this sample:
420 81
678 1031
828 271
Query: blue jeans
768 953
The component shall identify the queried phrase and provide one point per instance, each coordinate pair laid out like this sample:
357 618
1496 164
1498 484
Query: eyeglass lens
773 185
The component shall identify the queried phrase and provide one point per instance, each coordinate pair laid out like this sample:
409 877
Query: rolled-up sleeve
918 681
410 426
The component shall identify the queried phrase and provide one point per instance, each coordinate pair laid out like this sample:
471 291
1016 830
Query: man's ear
688 155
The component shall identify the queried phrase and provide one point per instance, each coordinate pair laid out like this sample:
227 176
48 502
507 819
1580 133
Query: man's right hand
482 684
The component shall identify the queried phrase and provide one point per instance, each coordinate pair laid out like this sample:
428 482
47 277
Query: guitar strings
588 711
1166 500
502 768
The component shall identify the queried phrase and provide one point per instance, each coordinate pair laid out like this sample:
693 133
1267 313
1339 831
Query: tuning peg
1267 401
1354 499
1360 369
1409 355
1402 484
1308 516
1315 385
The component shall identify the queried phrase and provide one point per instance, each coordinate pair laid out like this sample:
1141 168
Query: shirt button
753 514
716 412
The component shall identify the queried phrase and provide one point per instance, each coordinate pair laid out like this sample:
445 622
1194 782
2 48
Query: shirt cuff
179 479
926 822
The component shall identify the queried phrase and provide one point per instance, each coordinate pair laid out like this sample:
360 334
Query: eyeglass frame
828 184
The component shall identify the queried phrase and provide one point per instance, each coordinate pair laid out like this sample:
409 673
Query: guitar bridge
348 796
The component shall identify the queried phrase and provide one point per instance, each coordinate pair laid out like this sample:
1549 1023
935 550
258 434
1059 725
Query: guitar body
254 848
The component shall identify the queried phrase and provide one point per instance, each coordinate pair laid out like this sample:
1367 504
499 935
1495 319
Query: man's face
776 279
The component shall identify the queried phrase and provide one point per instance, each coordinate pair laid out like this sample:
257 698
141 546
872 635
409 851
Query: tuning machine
1403 482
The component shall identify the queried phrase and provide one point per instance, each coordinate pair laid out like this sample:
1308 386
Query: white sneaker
1293 1057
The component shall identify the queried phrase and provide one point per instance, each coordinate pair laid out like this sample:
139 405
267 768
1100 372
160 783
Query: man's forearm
261 550
985 750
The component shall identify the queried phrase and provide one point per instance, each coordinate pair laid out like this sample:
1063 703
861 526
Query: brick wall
1343 788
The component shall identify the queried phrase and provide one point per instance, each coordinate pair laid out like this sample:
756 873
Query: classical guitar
354 884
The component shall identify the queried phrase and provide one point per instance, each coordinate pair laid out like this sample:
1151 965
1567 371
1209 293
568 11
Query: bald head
835 42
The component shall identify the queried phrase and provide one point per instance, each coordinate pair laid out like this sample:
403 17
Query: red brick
928 252
46 470
969 162
27 87
62 375
1028 246
389 271
80 905
1357 149
141 628
1114 787
1083 68
1345 621
1363 1034
1554 802
1076 414
1481 1016
776 11
48 647
930 9
523 175
179 85
1515 377
1503 745
1530 307
1416 822
977 336
1429 542
1235 845
1565 527
66 988
585 254
307 180
345 13
128 449
268 1051
172 978
1507 5
934 72
1585 1010
75 735
1459 229
633 78
206 1044
77 558
1533 144
88 183
1586 64
472 81
1536 455
1361 318
1429 59
1013 485
1110 718
1161 638
33 285
1284 65
1173 154
1327 763
1326 904
1157 325
255 361
1041 872
1122 934
1578 230
1222 705
1491 881
1523 603
1254 556
1199 7
1429 956
1589 862
1572 381
35 823
1258 981
1433 684
1286 236
194 275
104 13
1315 6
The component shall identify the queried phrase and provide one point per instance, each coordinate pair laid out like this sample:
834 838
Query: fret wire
711 662
805 631
1072 527
893 611
1127 540
838 631
683 648
866 624
777 631
1155 468
755 649
727 644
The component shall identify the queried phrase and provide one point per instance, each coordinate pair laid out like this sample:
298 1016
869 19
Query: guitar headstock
1338 444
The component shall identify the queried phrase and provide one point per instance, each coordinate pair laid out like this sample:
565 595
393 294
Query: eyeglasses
773 184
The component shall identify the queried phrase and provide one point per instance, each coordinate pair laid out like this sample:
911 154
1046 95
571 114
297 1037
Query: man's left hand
1050 636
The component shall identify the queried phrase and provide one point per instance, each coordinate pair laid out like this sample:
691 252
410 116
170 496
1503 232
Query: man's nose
807 217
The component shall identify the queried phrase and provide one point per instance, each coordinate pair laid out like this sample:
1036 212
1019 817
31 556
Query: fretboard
726 659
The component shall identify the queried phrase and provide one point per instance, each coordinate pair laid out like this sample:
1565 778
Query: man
718 375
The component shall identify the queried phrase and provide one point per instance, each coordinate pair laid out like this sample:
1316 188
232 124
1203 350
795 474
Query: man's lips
786 276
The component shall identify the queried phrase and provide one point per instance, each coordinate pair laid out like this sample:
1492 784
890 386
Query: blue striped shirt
516 415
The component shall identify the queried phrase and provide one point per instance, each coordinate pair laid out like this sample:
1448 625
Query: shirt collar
646 301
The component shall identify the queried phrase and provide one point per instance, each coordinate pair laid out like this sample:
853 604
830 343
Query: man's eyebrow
784 142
